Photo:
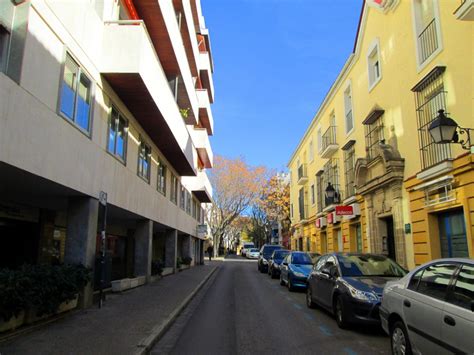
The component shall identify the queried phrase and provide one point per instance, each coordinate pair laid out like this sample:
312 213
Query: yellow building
368 145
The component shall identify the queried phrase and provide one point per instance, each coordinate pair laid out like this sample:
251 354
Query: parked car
246 246
252 253
275 262
431 309
350 285
295 269
265 254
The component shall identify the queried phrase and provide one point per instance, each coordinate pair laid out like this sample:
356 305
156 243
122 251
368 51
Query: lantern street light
444 129
331 195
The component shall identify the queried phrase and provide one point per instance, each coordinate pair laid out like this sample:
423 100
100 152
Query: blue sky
274 61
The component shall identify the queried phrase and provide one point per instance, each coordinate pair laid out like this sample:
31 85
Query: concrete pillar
143 248
201 251
80 246
171 248
187 245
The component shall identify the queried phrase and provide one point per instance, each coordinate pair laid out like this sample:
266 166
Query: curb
158 331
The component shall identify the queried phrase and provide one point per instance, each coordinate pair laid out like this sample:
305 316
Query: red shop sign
344 211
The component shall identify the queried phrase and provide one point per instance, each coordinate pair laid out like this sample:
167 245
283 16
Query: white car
253 253
246 247
431 309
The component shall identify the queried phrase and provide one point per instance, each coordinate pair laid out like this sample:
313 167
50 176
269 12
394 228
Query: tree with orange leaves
236 186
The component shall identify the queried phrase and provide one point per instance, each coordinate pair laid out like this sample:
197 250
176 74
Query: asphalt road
241 311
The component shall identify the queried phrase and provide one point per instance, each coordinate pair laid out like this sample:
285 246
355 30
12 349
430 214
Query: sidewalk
124 325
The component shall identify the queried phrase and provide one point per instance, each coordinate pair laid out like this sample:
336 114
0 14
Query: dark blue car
275 262
295 269
350 285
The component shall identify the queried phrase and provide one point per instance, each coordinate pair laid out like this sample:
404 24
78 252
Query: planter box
184 267
121 285
68 305
133 282
167 271
12 323
141 280
32 317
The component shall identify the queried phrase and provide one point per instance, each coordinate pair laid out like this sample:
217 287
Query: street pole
103 202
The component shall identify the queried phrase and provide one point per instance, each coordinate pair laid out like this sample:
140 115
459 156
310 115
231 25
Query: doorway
452 235
324 243
388 238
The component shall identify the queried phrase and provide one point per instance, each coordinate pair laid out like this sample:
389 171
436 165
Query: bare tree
236 185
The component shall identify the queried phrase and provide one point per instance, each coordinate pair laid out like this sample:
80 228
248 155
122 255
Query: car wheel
309 298
291 288
258 266
399 339
340 313
281 281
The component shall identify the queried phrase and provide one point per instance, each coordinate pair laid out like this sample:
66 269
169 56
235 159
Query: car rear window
268 250
280 254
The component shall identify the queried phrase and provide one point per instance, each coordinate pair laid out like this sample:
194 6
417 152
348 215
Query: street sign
201 230
344 210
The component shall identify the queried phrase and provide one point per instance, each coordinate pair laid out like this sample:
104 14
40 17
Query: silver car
431 309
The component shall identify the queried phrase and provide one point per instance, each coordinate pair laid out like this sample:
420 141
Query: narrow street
242 311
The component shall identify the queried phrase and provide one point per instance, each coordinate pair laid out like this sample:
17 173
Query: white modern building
104 100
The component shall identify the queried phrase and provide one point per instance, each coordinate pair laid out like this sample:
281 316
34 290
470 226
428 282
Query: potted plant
187 261
157 267
179 262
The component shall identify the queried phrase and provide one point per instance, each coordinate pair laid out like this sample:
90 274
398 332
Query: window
76 95
435 280
373 64
188 202
174 189
4 39
430 97
117 137
319 190
462 294
426 19
331 175
349 175
194 206
311 150
373 134
415 279
312 194
144 157
182 197
348 109
161 183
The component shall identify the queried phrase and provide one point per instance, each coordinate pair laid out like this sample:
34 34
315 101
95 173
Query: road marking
282 292
349 351
325 330
309 316
289 298
297 306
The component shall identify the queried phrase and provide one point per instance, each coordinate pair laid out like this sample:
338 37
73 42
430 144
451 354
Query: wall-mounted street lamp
332 196
444 129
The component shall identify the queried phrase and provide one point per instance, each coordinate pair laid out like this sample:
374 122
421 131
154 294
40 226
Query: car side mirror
333 271
285 263
325 270
260 253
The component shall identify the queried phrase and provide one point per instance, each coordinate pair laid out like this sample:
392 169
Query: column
143 248
171 248
80 246
187 245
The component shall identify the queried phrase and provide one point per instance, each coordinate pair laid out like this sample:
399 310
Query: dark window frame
116 131
144 156
430 96
374 134
349 171
161 178
80 73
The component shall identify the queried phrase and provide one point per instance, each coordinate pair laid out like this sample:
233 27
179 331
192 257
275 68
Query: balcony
428 41
188 34
199 186
465 12
205 64
131 67
165 34
302 174
205 114
329 144
200 139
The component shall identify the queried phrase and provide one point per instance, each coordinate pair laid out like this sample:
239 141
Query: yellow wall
394 31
